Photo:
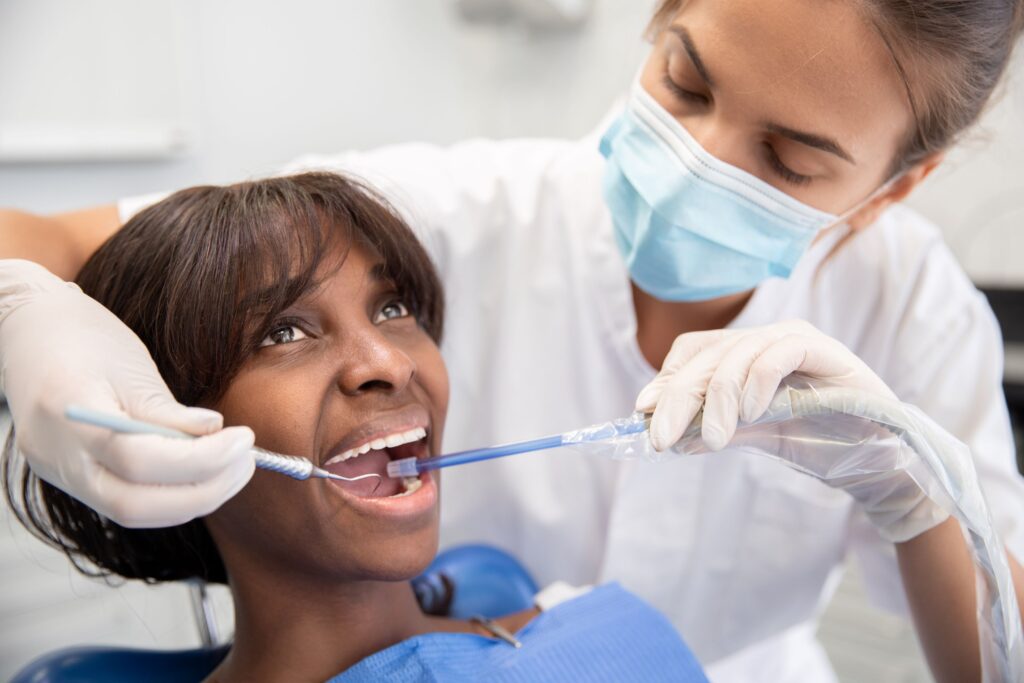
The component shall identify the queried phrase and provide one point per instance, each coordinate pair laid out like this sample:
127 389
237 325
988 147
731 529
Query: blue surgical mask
692 227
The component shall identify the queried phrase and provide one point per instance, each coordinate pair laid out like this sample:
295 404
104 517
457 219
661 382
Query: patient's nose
374 363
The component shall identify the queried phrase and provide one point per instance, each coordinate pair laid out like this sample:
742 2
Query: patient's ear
897 192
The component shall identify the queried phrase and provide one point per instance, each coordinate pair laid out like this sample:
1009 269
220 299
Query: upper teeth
389 441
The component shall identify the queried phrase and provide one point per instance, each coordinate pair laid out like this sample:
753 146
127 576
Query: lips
369 448
376 462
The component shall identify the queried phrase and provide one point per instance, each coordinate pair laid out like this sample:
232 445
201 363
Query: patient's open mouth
372 455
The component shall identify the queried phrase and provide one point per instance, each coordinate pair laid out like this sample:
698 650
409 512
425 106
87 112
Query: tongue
375 462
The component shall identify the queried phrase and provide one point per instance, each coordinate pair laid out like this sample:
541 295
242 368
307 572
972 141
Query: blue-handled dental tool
411 467
290 465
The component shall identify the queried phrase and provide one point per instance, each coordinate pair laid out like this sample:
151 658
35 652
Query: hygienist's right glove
59 347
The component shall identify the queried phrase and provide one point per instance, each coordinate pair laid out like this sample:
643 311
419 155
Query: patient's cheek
270 504
267 515
434 378
278 406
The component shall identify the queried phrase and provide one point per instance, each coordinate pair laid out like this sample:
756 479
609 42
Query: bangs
231 259
283 254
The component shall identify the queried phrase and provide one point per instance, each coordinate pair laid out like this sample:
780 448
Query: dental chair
461 582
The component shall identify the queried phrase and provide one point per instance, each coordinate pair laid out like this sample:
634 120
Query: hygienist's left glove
734 375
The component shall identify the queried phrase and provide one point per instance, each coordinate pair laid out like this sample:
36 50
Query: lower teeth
412 485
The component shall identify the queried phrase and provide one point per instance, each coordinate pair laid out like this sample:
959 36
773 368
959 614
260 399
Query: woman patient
305 308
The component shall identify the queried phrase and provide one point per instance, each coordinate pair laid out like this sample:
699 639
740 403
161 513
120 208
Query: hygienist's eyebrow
691 50
811 140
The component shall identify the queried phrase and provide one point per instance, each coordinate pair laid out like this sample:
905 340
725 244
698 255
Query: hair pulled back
949 54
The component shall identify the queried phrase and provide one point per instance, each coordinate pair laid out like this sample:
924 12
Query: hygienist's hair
201 277
949 54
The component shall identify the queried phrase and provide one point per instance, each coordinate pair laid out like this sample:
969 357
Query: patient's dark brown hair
200 277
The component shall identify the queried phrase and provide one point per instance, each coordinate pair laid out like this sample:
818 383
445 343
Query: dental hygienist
752 177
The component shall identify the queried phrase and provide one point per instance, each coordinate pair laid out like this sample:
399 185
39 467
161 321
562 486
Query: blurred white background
228 89
109 98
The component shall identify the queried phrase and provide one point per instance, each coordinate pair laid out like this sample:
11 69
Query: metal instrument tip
324 474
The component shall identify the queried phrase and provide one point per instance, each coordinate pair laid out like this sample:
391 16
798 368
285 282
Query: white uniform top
741 553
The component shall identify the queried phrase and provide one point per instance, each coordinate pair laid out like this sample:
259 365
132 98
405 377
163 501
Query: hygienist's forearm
939 580
62 243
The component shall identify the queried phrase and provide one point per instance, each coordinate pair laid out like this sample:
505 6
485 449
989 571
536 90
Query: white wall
265 81
255 83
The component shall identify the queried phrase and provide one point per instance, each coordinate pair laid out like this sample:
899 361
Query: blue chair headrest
470 580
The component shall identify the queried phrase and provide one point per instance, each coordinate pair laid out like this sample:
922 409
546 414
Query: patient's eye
391 310
283 333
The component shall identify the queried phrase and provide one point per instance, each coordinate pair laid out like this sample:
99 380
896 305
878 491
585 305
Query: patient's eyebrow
265 298
691 50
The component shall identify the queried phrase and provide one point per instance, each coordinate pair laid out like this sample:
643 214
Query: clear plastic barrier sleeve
844 437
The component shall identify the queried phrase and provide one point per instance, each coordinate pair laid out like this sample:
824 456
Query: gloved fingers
683 396
649 396
725 388
138 506
684 349
687 346
792 353
152 459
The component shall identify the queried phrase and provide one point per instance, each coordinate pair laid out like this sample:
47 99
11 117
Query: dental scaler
289 465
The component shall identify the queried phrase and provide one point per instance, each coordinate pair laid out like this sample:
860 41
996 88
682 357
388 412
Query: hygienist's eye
783 171
684 95
283 333
391 310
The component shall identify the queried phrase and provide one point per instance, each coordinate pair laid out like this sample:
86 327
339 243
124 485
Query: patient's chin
285 527
402 560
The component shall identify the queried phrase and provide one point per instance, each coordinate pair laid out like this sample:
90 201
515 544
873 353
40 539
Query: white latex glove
734 374
59 346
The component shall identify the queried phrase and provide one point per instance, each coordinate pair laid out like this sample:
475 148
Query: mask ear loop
843 218
873 195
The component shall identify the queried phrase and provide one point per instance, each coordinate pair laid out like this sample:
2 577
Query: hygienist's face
342 368
800 93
